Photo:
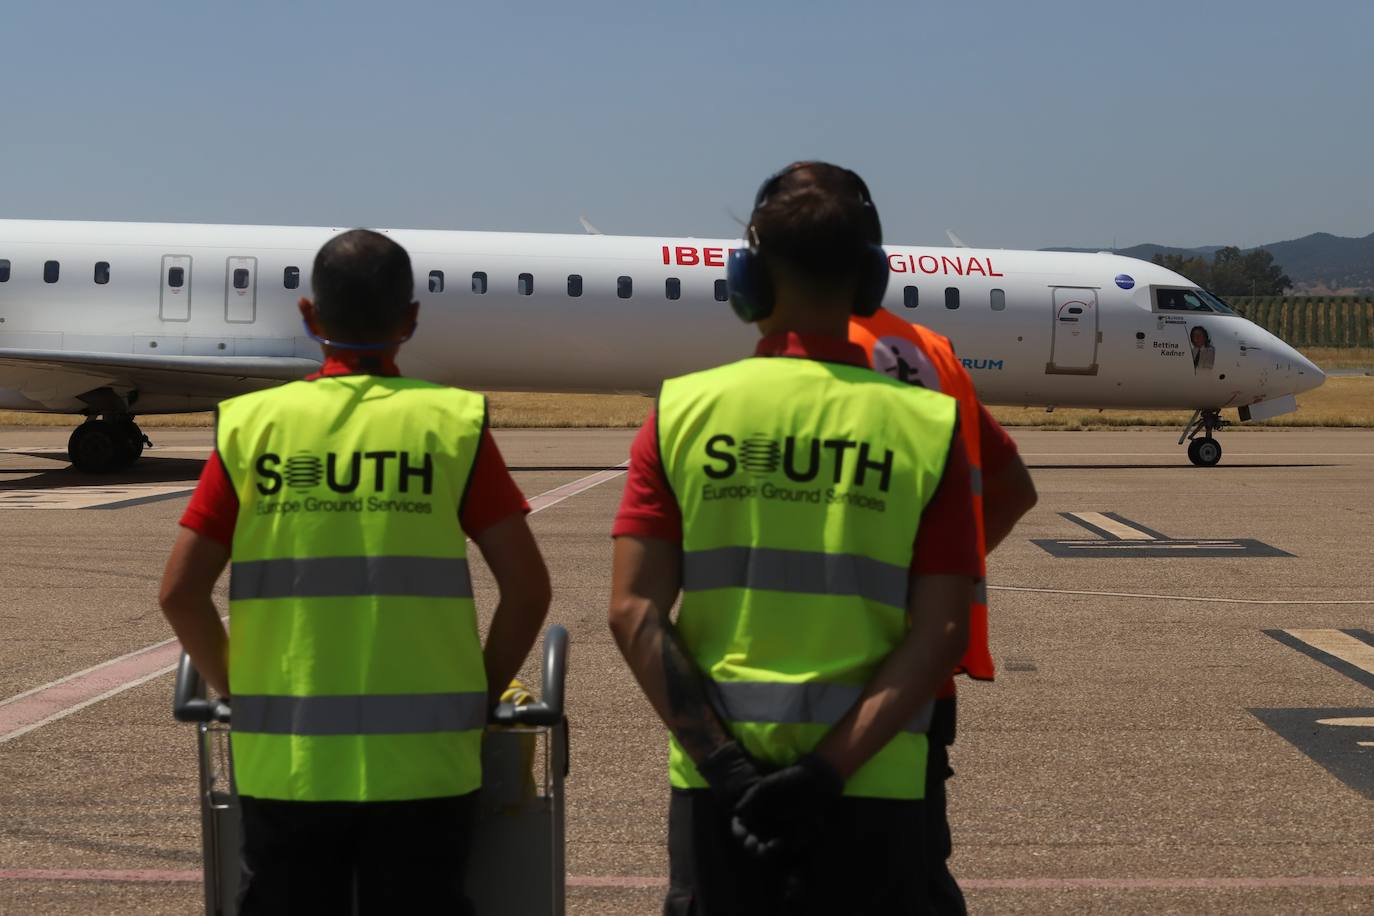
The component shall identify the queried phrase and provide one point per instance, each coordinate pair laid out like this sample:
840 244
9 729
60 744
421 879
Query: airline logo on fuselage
944 264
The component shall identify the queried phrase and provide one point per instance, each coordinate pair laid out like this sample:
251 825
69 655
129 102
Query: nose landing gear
111 443
1204 452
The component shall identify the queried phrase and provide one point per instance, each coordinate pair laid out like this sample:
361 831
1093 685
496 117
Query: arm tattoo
695 721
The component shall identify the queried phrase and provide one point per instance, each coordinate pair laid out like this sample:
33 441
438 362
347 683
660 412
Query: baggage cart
518 856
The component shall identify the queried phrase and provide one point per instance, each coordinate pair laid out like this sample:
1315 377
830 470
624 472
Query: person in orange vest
1002 492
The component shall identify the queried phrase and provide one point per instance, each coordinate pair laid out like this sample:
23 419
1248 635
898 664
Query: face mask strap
354 347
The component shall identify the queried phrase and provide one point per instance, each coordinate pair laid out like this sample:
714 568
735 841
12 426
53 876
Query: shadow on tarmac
149 469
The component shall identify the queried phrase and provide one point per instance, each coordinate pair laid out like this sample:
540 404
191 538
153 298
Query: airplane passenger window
951 297
291 277
722 291
51 269
998 299
574 285
4 271
102 272
672 288
479 282
240 278
176 277
526 285
436 281
1180 300
911 297
624 287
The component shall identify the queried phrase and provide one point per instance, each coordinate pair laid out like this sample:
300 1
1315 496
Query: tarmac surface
1144 749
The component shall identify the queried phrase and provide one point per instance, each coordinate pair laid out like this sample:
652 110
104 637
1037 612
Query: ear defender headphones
746 276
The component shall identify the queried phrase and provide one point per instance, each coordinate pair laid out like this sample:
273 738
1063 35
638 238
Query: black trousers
391 857
868 860
943 891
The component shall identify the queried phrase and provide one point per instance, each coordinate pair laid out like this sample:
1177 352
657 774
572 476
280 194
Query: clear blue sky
1018 125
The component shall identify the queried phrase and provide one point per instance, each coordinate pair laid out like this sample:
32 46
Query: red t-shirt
491 494
946 542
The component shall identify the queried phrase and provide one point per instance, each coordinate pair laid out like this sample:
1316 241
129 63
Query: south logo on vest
338 482
837 469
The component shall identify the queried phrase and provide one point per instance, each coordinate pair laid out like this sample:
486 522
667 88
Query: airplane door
240 290
1074 350
174 299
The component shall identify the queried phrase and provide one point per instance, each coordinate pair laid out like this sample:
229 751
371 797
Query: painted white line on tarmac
33 709
1092 594
1112 526
1340 645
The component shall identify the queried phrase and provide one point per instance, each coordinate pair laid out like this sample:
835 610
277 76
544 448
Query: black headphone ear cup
751 291
873 277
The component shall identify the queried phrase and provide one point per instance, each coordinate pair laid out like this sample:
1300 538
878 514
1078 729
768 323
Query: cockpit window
1181 300
1216 302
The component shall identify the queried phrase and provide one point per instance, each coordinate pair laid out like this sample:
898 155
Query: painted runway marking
1111 525
1118 536
652 882
1351 652
1331 739
90 497
32 709
1338 740
568 490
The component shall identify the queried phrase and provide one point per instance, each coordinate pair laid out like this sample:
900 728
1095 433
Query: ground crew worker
360 688
1002 493
816 517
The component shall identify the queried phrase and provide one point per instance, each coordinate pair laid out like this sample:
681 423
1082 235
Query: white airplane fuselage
1034 328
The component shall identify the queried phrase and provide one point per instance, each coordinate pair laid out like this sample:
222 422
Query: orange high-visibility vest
919 356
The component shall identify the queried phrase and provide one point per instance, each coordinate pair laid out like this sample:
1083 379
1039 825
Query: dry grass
1342 401
1340 357
1345 401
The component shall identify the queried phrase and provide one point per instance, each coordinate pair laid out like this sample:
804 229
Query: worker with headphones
816 517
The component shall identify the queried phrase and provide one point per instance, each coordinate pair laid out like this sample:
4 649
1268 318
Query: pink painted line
24 712
154 875
151 875
1163 884
32 709
615 881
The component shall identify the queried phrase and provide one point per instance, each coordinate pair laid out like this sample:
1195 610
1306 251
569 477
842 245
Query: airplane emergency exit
114 320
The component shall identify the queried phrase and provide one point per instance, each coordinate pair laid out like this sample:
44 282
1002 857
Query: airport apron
900 355
354 657
801 485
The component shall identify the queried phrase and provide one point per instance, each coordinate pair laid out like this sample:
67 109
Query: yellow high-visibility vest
802 485
355 663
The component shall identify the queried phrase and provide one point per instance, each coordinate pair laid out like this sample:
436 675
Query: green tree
1231 272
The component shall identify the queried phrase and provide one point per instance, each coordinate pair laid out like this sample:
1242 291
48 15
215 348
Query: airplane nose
1303 374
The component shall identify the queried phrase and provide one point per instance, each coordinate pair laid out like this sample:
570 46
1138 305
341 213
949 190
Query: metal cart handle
549 710
189 703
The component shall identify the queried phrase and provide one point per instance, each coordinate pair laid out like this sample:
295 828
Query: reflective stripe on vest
803 571
354 655
798 704
801 486
926 350
333 577
395 714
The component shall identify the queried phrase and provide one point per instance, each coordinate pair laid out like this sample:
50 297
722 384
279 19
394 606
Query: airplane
112 320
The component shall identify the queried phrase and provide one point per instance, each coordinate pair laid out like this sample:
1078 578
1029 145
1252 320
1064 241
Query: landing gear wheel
1205 453
132 440
97 446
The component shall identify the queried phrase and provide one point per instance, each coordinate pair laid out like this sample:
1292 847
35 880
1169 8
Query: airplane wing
56 379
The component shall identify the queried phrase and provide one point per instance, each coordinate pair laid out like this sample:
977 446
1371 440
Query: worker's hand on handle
782 813
523 582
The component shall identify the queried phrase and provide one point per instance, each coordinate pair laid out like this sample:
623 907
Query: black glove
781 813
730 772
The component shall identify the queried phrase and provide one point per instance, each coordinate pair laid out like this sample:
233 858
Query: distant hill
1320 263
